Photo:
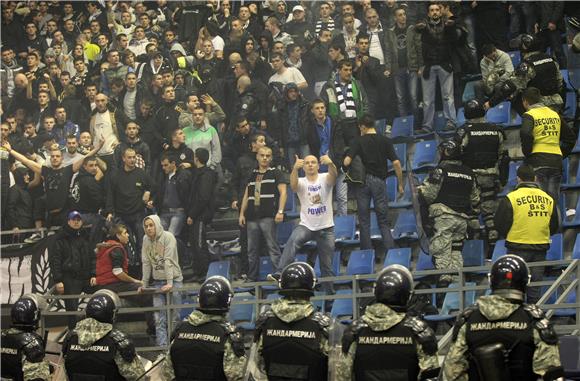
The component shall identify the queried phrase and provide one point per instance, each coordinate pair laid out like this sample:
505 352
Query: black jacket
183 181
202 199
71 256
18 208
436 42
140 147
242 172
304 117
182 154
88 194
337 144
167 119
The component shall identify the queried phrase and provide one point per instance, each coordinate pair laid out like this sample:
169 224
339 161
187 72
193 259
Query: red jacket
105 265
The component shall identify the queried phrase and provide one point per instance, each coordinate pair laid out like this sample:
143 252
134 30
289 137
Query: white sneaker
570 212
33 238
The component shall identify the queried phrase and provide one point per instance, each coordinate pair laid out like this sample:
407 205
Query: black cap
103 306
215 295
25 313
450 149
297 279
474 109
394 286
509 277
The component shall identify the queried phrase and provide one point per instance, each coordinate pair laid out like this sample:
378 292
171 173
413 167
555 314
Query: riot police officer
500 338
291 337
94 349
451 193
546 139
538 70
484 152
385 343
22 347
205 345
527 217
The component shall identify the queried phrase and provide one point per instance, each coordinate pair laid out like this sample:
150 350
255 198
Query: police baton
152 367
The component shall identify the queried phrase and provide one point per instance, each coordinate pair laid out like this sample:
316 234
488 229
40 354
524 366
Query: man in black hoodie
167 116
72 262
200 211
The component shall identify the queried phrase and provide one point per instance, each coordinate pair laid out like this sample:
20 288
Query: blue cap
74 215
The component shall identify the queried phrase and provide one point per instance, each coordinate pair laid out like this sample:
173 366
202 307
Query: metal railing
569 278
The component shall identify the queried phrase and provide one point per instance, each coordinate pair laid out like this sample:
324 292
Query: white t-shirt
291 74
218 43
104 130
315 203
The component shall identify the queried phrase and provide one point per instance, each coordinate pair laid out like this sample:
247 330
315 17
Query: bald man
103 126
316 216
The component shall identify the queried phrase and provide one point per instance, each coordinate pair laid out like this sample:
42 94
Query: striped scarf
346 104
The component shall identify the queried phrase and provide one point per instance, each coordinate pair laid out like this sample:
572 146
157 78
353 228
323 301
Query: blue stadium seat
301 258
512 178
243 315
425 155
451 304
345 230
284 231
461 117
361 262
440 122
265 268
185 312
567 312
574 77
498 250
406 226
392 194
401 151
516 57
570 354
380 126
424 262
400 256
473 253
572 222
469 91
566 79
336 258
556 251
319 304
219 268
402 129
291 207
499 114
570 106
576 249
576 148
342 307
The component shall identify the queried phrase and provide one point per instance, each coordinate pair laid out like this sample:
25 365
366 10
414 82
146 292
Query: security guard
291 337
546 139
22 347
94 350
206 346
500 338
527 217
451 193
538 70
484 152
385 343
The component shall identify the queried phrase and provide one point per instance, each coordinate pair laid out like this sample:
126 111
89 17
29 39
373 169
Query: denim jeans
160 300
173 220
549 180
302 150
261 232
374 188
429 90
533 293
406 89
324 245
341 194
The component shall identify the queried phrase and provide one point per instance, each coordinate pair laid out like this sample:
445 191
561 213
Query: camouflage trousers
487 185
447 242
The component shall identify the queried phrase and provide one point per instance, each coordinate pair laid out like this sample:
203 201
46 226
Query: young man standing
262 208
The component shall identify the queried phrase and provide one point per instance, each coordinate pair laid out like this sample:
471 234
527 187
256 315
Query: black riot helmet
530 43
509 277
449 150
215 295
474 109
297 279
394 286
103 306
25 313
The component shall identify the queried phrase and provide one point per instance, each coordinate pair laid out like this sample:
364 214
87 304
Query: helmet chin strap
510 294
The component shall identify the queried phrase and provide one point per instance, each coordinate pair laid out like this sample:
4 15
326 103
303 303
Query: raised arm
32 165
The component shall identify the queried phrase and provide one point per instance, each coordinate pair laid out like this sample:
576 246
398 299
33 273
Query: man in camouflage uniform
22 347
95 349
386 343
537 69
206 344
500 337
292 338
484 152
452 195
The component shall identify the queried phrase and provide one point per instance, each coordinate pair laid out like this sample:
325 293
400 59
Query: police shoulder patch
124 345
350 334
534 311
32 347
522 69
423 334
542 324
436 176
264 316
462 318
461 131
235 338
322 320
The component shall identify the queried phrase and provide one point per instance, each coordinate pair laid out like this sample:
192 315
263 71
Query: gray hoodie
160 260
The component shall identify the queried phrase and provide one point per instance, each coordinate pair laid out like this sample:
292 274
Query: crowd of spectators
124 109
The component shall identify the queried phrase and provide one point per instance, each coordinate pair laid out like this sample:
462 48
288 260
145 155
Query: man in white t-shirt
316 217
284 74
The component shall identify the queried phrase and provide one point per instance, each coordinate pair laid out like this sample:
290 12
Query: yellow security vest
546 130
532 211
